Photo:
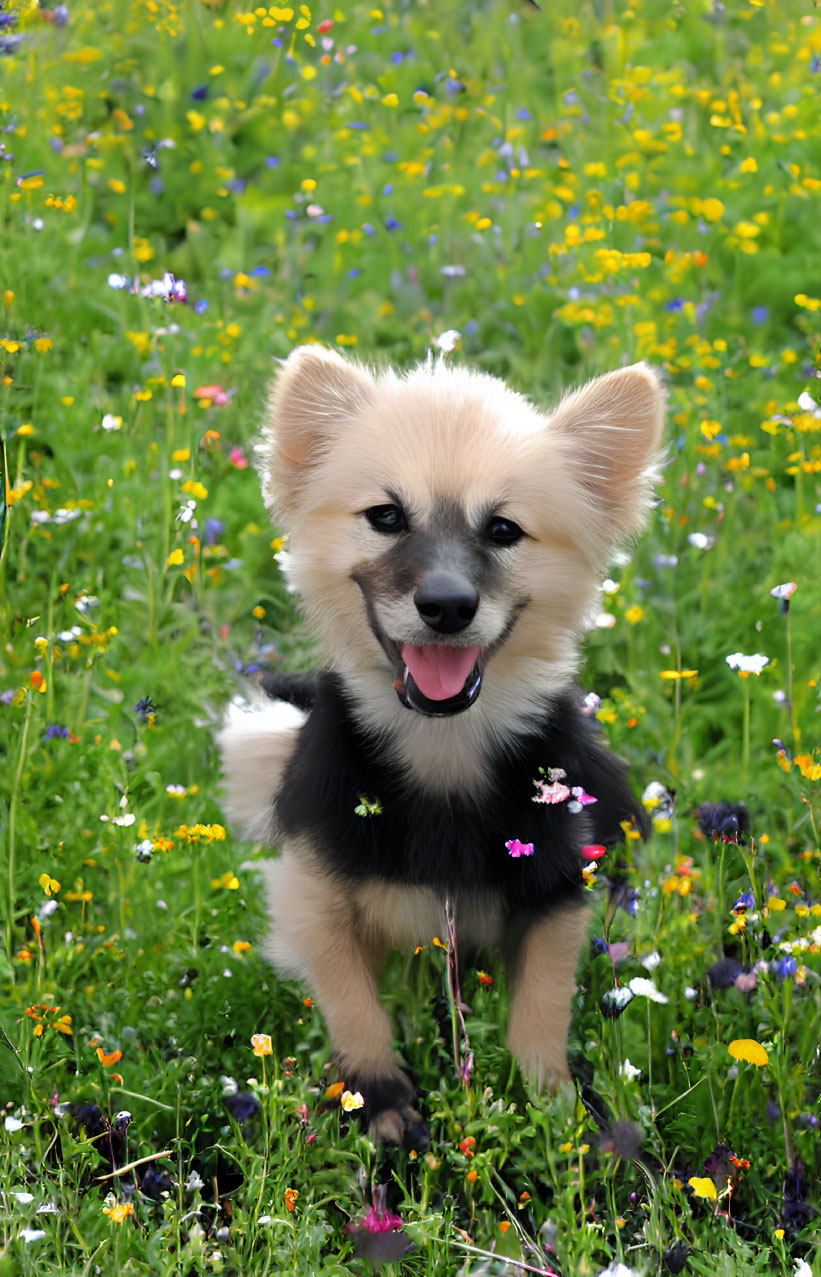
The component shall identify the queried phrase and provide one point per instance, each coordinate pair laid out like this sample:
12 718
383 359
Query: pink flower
594 851
555 793
238 458
381 1221
517 848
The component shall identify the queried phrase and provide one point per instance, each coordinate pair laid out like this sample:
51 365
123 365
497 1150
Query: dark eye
387 518
503 531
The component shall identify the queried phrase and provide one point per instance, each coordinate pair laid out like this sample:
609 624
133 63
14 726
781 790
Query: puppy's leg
318 935
543 971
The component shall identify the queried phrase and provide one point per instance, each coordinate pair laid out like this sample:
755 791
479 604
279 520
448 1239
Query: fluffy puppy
447 540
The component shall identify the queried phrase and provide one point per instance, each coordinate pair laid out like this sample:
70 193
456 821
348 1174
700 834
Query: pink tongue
439 671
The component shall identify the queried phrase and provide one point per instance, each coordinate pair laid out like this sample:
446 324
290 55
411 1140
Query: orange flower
106 1060
119 1211
291 1194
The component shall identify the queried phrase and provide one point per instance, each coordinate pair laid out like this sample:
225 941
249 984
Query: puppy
447 540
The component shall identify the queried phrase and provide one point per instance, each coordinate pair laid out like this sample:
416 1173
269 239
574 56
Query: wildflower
351 1100
448 340
551 793
580 799
484 979
118 1211
784 593
594 851
615 1001
261 1042
291 1195
747 665
108 1060
640 987
703 1186
517 848
146 710
750 1050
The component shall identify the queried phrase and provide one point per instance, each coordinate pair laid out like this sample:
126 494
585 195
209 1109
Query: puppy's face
444 535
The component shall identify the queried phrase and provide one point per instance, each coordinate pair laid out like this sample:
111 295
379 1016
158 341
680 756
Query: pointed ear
613 427
314 393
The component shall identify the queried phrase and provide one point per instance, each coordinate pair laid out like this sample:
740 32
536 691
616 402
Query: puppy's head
444 534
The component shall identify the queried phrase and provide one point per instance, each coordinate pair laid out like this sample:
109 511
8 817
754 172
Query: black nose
446 603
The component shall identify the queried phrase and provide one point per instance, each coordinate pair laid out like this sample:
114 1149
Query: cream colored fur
578 480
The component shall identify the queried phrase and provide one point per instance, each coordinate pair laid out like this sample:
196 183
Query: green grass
570 188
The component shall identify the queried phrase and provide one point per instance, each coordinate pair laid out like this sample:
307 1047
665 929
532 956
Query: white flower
700 541
651 961
453 272
35 1234
609 586
194 1182
448 340
807 404
690 993
802 1268
605 621
25 1199
629 1071
784 591
641 988
617 1269
118 281
110 422
13 1124
747 664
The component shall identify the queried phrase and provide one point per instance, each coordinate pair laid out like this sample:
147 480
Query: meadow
189 189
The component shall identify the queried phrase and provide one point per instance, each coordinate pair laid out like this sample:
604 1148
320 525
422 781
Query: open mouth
438 679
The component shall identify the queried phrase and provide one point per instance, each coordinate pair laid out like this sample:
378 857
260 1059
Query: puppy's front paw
390 1111
544 1064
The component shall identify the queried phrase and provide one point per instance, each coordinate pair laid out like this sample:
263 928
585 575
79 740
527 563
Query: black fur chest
454 841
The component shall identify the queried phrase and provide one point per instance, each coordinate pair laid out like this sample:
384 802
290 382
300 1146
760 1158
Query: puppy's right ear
316 391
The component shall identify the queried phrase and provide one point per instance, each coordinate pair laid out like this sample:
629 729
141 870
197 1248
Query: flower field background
187 191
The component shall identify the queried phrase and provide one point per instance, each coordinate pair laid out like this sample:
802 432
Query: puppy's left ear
315 393
614 425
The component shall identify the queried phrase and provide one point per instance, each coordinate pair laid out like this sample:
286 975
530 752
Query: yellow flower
175 558
196 489
351 1100
50 885
713 209
261 1042
750 1050
228 880
634 614
703 1187
118 1212
810 770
